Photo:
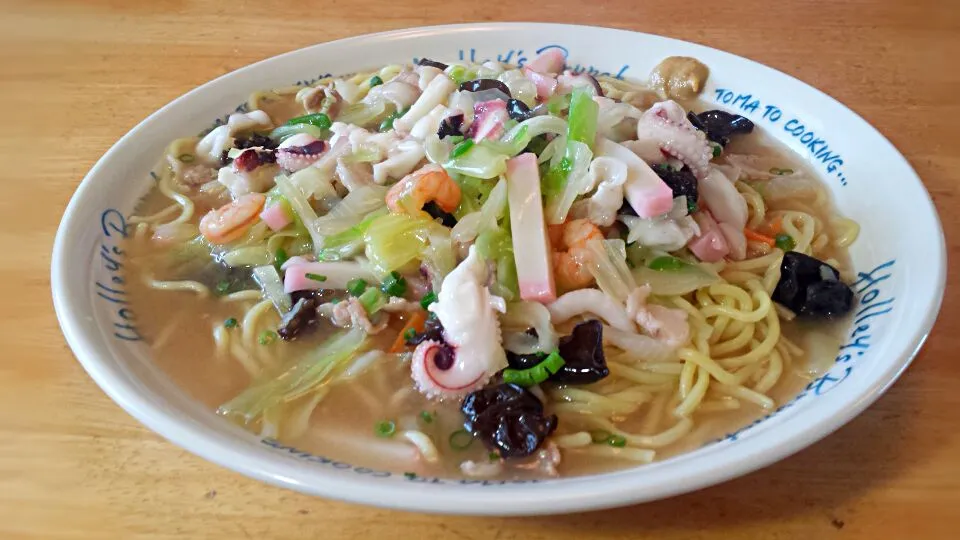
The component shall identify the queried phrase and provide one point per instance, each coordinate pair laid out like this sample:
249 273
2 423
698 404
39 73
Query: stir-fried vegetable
269 281
567 177
295 381
536 374
397 239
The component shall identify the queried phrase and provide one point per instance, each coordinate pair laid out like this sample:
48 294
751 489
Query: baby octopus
470 352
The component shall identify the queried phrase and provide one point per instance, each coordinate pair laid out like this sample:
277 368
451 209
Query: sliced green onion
387 123
617 441
428 299
461 148
372 300
717 149
267 337
222 287
375 81
785 242
409 334
493 456
599 436
410 475
779 171
455 139
536 374
394 285
280 257
691 206
230 323
356 286
315 277
458 74
460 439
426 416
186 158
385 428
666 263
319 120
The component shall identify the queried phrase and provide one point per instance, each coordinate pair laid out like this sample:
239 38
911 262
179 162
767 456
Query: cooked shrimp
231 221
570 247
431 183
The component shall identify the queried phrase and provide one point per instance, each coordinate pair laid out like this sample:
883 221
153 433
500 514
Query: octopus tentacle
667 125
299 152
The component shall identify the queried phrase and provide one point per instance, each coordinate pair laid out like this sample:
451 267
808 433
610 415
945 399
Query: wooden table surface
77 75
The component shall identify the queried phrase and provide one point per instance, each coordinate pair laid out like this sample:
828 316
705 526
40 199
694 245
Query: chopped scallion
666 263
460 439
599 436
461 148
410 475
387 123
385 428
779 171
493 456
394 285
356 286
280 257
267 337
375 81
785 242
315 277
319 120
222 287
691 206
617 441
426 416
409 334
230 323
536 374
428 299
717 149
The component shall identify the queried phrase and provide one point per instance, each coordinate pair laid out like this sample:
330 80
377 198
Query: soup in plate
490 271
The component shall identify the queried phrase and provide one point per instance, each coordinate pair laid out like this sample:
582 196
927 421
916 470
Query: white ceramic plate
900 256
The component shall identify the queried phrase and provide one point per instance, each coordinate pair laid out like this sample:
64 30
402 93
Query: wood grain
78 75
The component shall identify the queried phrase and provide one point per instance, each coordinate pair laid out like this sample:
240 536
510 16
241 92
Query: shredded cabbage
285 132
566 181
522 316
364 113
352 209
606 261
347 243
269 280
301 207
302 377
396 239
481 161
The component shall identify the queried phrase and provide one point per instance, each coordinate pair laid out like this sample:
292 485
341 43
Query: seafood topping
252 158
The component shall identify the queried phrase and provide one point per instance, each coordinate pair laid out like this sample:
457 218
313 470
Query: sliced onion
520 317
674 282
639 345
269 281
